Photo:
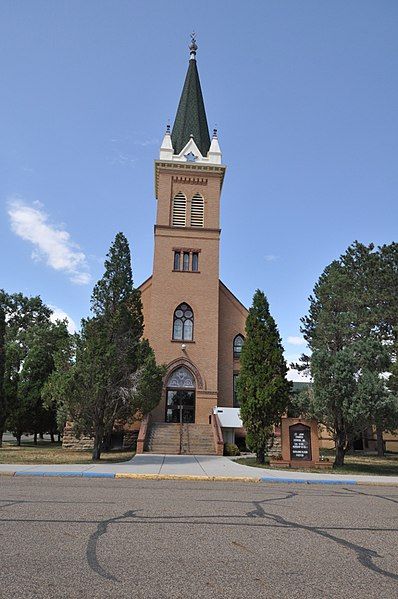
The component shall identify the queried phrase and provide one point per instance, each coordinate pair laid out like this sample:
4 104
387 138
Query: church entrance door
180 396
180 406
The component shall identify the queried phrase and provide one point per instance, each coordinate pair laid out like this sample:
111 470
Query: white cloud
270 258
59 314
153 141
123 158
51 243
292 340
293 374
297 377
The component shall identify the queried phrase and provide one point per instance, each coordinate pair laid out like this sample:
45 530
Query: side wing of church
193 322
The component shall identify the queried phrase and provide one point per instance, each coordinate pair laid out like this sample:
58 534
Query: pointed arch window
197 211
238 345
179 210
183 323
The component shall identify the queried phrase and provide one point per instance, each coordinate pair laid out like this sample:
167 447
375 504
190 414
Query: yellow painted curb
137 476
364 483
7 473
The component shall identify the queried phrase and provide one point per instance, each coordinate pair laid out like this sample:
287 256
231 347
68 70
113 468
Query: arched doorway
180 396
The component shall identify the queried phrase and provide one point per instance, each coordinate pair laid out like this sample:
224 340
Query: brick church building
192 320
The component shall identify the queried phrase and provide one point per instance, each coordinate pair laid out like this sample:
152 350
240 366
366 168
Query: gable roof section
224 289
145 284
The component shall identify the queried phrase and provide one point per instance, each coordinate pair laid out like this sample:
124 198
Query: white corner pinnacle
166 149
214 153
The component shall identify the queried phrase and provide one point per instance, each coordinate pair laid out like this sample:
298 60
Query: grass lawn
52 453
354 464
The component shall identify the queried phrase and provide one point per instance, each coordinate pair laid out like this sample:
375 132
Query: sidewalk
189 467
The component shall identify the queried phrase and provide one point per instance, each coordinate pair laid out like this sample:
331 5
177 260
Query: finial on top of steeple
168 127
193 46
215 135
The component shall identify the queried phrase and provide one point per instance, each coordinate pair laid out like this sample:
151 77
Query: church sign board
300 442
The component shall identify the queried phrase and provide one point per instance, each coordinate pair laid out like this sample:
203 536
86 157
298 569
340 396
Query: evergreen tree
263 390
350 330
112 365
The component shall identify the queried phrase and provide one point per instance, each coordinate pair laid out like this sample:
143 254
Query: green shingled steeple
191 115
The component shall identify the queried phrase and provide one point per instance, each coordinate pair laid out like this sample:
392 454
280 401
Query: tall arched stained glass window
183 323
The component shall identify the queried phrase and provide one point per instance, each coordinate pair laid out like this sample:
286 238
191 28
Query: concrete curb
98 474
374 483
49 473
308 481
199 478
137 476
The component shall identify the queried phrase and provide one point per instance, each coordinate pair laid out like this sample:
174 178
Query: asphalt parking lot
123 538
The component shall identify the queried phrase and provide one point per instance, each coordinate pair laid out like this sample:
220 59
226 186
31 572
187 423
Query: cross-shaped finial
193 46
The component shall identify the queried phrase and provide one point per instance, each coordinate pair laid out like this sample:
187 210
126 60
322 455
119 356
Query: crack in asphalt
364 554
92 544
372 495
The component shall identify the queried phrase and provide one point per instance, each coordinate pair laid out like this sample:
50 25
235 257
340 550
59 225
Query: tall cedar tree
106 382
263 390
350 331
2 371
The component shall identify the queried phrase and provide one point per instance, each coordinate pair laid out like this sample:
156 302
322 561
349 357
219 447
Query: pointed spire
191 115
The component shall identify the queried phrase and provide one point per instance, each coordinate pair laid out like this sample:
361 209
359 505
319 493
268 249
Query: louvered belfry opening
179 211
197 211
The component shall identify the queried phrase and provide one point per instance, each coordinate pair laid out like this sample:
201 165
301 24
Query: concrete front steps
197 439
164 438
175 439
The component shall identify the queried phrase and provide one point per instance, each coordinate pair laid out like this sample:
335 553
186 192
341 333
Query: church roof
191 115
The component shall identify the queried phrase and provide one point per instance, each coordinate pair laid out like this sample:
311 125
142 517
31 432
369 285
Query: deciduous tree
21 314
2 371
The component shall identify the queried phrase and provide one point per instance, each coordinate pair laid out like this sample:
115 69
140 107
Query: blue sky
305 98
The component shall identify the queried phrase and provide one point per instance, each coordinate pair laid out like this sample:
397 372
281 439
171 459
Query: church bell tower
181 300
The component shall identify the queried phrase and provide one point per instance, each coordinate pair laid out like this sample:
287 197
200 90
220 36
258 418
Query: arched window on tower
238 344
179 211
183 323
197 211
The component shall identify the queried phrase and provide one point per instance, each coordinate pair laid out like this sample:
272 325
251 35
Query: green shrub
231 449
